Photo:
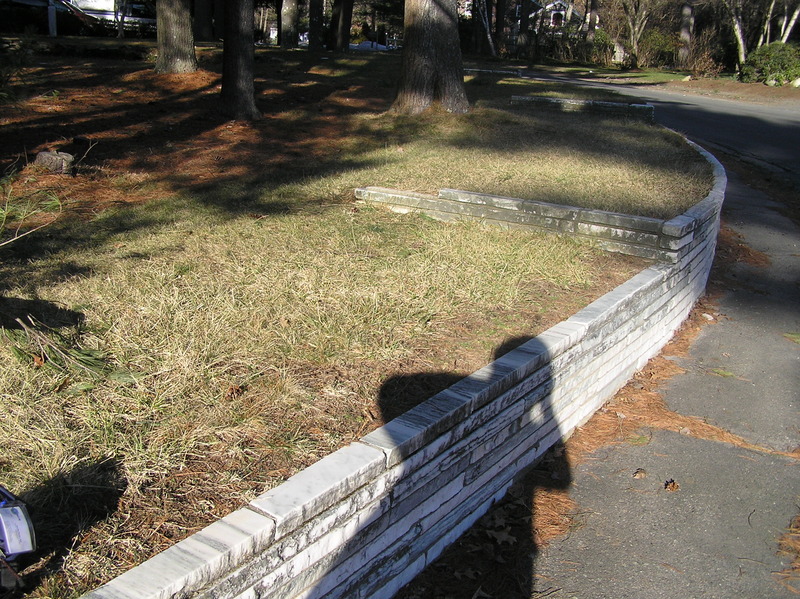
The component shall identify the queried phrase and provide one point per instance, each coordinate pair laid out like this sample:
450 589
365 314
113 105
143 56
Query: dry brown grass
248 316
789 544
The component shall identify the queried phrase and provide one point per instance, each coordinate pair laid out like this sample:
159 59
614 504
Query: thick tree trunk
238 93
432 70
338 38
316 28
174 37
345 22
290 14
203 20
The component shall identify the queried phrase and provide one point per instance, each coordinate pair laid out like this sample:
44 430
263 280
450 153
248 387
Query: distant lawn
214 312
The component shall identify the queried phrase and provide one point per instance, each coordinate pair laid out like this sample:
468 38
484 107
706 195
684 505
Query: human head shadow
14 312
61 509
497 554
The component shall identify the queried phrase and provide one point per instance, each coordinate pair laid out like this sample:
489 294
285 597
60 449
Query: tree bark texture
345 23
316 27
238 90
290 13
338 38
203 20
174 37
432 70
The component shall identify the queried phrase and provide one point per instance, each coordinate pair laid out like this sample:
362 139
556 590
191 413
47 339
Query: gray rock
55 162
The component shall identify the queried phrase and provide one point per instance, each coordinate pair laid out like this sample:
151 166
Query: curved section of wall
363 521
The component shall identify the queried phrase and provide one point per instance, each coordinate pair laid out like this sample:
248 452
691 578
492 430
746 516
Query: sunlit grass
578 160
247 328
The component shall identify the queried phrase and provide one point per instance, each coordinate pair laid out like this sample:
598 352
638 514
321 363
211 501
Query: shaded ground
137 134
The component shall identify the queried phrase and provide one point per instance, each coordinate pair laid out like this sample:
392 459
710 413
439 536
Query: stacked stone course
363 521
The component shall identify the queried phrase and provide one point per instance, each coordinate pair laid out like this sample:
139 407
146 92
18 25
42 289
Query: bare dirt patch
735 90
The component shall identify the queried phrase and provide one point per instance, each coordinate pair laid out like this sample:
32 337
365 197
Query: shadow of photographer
496 556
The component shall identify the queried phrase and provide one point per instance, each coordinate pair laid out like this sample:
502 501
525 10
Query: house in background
138 18
560 13
528 19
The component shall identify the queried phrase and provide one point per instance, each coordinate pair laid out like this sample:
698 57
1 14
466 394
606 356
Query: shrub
657 49
702 61
774 64
602 48
12 62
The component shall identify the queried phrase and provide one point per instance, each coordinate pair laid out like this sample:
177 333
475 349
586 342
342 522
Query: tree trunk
203 20
592 21
290 14
766 27
500 25
734 8
788 24
120 10
523 36
238 92
483 12
345 22
432 70
316 32
174 37
687 33
341 20
637 13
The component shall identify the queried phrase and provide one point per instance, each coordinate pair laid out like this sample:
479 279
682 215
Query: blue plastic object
16 529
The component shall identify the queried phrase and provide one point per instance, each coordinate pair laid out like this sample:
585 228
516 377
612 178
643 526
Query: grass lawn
212 311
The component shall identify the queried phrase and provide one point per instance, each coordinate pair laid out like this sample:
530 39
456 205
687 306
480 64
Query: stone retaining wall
363 521
643 112
653 238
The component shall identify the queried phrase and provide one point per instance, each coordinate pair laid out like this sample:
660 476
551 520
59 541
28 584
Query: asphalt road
717 537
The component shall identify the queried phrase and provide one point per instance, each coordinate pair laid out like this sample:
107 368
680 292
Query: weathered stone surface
645 112
55 162
319 486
